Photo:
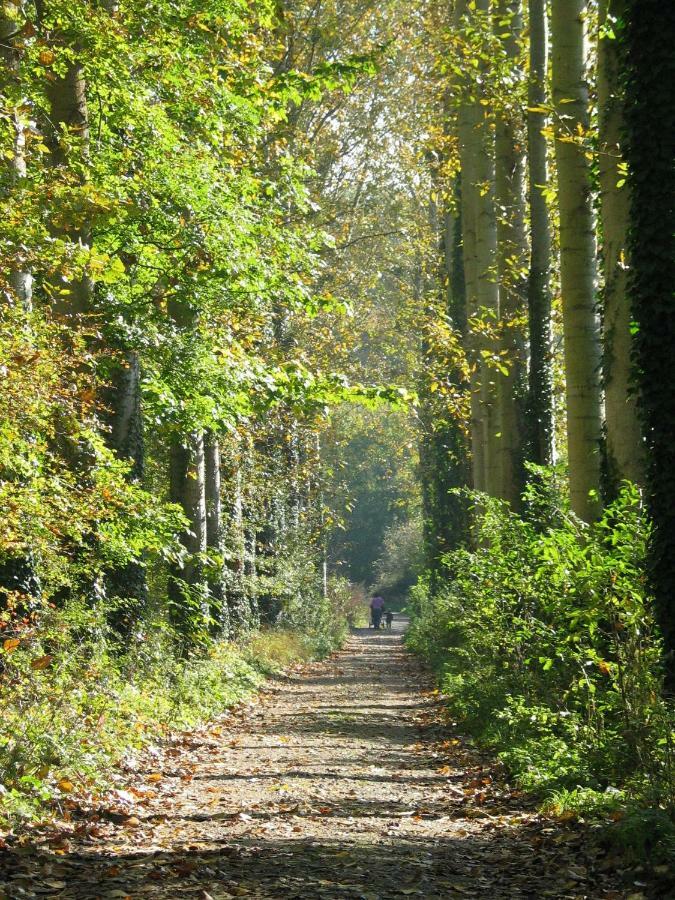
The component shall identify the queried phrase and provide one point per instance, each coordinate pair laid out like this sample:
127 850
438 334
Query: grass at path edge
66 729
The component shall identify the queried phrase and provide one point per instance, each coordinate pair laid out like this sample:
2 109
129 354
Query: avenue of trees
301 291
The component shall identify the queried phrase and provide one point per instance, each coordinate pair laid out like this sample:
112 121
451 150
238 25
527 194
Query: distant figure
389 618
376 610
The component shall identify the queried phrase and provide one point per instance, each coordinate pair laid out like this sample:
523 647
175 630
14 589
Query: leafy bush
544 643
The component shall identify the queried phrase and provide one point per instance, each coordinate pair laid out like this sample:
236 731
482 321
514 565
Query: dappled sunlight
341 781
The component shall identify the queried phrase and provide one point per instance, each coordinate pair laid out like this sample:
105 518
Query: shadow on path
340 782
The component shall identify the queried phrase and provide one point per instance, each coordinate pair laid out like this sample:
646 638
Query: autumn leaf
41 662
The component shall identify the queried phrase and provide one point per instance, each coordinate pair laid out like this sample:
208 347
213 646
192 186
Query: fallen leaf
41 662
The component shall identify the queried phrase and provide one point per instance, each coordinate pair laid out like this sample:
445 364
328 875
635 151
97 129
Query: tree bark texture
540 387
19 279
67 132
237 600
215 542
188 592
488 285
511 266
127 583
469 139
577 256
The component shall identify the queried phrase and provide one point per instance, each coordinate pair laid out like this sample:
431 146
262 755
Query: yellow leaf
65 786
11 644
155 777
46 57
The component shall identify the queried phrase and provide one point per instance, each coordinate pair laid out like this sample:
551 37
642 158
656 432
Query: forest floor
340 780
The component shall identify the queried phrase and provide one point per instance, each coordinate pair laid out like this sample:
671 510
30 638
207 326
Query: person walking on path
376 609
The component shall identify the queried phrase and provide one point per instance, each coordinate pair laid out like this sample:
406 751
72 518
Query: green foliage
401 560
370 464
74 527
544 642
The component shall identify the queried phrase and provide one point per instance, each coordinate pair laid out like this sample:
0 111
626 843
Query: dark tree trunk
188 591
650 152
126 585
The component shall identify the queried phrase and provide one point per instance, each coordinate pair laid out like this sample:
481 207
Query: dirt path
338 782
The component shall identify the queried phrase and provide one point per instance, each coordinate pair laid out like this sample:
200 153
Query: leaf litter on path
343 780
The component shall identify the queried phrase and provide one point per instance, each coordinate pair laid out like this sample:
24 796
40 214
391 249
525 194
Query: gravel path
340 780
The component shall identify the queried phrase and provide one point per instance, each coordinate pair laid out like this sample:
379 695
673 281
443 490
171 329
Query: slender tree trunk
215 533
237 601
488 286
650 151
19 583
511 264
443 447
188 591
470 149
625 453
540 389
20 280
481 186
577 256
67 136
250 532
127 583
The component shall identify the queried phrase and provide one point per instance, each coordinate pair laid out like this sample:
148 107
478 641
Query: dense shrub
544 642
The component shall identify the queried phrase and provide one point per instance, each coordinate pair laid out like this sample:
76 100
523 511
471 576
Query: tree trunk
511 264
650 151
577 256
127 583
18 577
625 452
188 591
19 279
481 186
69 118
540 388
215 535
443 446
470 149
237 602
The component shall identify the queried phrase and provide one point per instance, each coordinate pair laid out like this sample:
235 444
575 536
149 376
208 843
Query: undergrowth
544 644
73 705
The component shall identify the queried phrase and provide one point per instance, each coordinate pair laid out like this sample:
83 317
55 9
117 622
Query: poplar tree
512 256
20 280
577 255
540 382
625 454
479 237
